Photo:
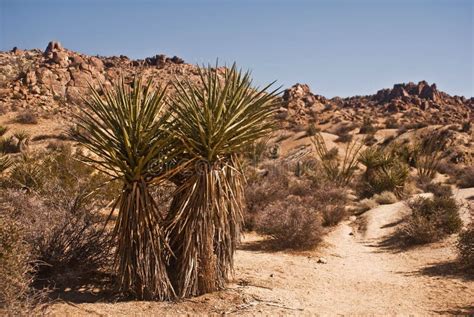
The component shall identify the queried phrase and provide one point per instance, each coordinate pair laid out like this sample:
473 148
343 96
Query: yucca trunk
139 256
204 228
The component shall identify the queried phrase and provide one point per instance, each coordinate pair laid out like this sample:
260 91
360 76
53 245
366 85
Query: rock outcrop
56 80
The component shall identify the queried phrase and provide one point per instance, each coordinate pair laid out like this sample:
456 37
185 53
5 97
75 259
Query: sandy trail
364 275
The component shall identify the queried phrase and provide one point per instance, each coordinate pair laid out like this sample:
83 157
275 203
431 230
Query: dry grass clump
16 273
437 189
290 224
366 204
465 246
392 123
465 177
367 126
26 117
293 210
385 198
52 197
3 130
431 220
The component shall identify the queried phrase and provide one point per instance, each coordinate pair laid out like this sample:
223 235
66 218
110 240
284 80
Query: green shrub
465 246
432 219
384 172
428 153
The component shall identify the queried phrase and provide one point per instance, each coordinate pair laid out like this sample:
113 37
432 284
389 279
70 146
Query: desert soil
359 270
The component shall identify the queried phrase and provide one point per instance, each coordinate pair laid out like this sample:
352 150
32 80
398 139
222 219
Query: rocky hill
411 103
54 81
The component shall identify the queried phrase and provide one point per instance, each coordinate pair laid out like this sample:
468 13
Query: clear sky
339 48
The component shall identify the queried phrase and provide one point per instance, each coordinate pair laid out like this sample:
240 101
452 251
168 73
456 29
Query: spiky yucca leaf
125 130
339 171
214 121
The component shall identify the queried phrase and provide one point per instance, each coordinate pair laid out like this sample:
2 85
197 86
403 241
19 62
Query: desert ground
354 273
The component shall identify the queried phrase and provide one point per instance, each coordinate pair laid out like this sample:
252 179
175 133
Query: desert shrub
60 239
311 130
431 219
261 190
466 126
255 151
344 129
388 140
385 198
338 170
366 204
392 123
367 126
3 130
465 177
290 224
330 201
428 152
53 198
437 189
9 145
15 269
370 140
344 138
385 171
465 246
27 117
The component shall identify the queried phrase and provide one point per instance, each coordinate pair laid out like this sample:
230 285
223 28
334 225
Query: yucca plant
215 119
385 171
428 153
125 130
339 171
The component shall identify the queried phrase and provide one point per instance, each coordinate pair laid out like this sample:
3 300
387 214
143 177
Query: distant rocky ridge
422 103
54 81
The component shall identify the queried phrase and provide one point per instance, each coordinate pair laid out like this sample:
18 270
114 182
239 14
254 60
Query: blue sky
339 48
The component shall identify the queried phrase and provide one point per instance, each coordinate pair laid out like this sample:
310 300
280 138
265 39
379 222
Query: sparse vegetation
385 171
3 130
431 219
428 153
385 198
291 224
465 246
465 177
367 126
366 204
337 170
27 117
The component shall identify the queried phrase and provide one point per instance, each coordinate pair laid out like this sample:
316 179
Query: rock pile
56 80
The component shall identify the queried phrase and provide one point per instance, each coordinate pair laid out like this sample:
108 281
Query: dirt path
363 274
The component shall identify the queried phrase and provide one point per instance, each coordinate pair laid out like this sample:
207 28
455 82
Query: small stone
322 261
